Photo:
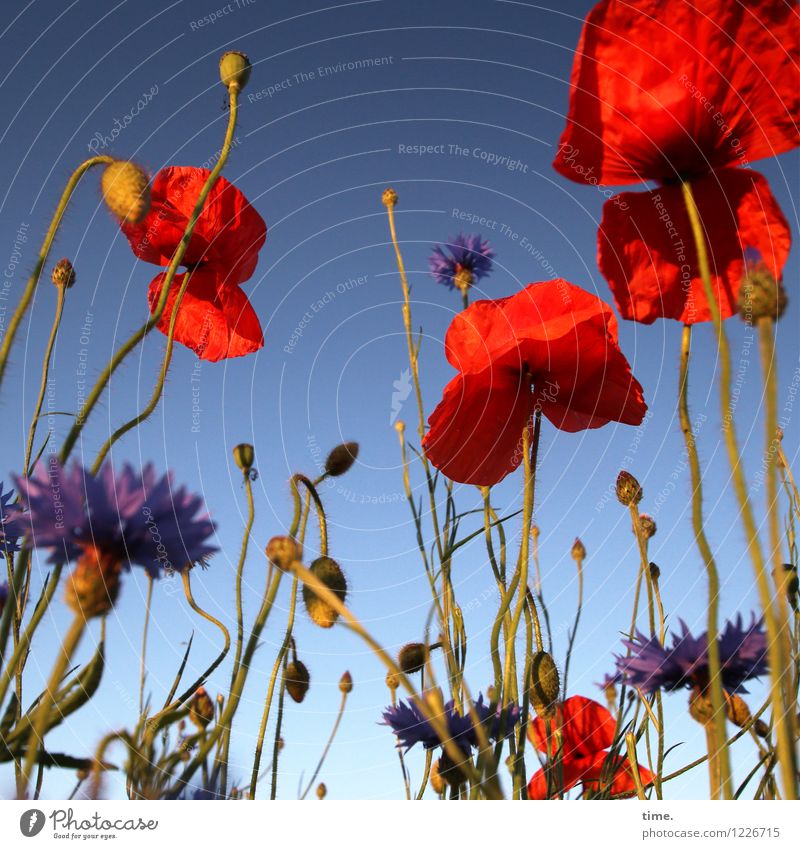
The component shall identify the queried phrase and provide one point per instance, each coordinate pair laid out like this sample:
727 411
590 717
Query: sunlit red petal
564 776
475 432
616 770
646 249
214 320
661 90
587 728
228 235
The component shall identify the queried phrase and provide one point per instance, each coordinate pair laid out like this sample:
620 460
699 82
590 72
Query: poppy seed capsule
578 550
545 684
297 680
244 456
201 709
283 551
411 658
63 274
234 69
346 683
126 191
93 586
341 459
389 198
647 524
329 573
628 490
761 295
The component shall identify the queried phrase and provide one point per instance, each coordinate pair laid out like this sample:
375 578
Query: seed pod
346 683
63 274
389 198
126 191
341 459
647 525
297 680
628 490
578 550
93 586
411 658
201 709
244 456
545 685
329 573
283 551
234 69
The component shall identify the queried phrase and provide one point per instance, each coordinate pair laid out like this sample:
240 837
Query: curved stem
33 280
571 642
143 653
61 292
785 744
177 257
251 511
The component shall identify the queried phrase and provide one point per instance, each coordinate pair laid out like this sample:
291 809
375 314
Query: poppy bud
126 191
244 456
297 680
234 69
283 551
201 709
647 524
628 490
328 571
63 274
545 684
761 295
578 550
737 710
346 683
93 586
341 459
436 780
322 791
412 657
389 198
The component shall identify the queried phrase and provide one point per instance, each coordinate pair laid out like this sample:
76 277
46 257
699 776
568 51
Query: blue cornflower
128 516
609 681
411 727
10 526
651 666
461 262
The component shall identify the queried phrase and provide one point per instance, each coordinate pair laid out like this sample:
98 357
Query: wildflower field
400 401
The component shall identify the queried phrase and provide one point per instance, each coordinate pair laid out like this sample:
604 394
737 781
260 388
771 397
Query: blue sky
318 141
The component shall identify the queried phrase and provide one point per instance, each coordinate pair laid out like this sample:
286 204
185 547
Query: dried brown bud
329 573
244 456
628 490
737 710
578 550
346 683
283 551
234 69
93 586
63 274
297 680
201 708
655 572
545 684
341 459
126 191
647 524
411 658
389 198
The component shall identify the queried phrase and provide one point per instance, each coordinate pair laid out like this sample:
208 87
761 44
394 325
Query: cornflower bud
63 274
648 526
346 683
628 490
578 550
389 198
201 709
322 791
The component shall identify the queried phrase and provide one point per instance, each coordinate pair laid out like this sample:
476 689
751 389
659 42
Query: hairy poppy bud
341 459
389 198
322 791
283 551
545 684
201 708
411 658
761 295
126 191
578 550
244 456
628 489
93 586
63 274
328 571
234 69
647 525
297 680
346 683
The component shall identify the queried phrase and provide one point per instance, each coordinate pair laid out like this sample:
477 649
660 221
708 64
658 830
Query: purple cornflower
411 727
609 681
461 262
651 666
10 526
130 516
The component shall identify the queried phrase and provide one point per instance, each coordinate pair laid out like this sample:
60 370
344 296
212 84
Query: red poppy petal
567 773
476 430
616 769
228 234
646 249
214 320
662 90
586 728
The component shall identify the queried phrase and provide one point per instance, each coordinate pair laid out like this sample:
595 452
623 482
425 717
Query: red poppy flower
215 318
685 91
587 732
551 347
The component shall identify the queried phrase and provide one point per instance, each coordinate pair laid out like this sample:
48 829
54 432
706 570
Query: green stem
143 653
33 280
785 743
